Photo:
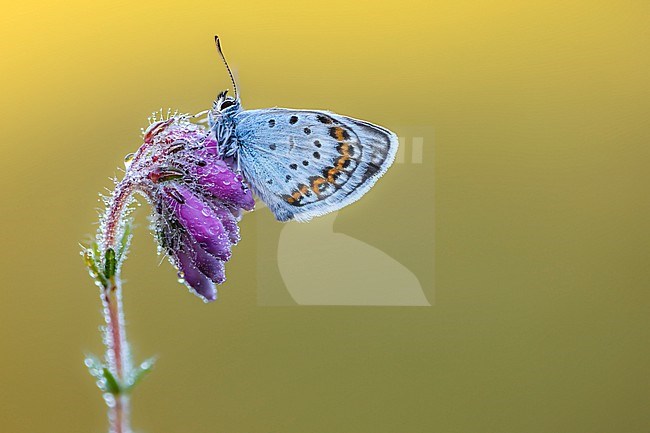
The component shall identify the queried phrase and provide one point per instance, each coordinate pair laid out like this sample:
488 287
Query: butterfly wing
305 163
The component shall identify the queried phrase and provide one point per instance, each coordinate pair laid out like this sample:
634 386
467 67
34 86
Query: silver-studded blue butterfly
301 163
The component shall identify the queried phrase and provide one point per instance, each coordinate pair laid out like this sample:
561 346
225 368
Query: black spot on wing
293 119
324 119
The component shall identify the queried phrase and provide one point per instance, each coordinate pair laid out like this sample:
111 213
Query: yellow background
540 321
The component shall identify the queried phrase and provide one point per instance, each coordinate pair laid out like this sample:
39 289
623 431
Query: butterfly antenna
232 78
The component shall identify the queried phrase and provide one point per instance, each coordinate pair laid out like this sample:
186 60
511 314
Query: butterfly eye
227 103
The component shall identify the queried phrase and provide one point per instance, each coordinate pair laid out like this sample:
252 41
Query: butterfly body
302 163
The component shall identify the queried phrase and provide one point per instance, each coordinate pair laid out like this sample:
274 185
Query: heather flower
197 200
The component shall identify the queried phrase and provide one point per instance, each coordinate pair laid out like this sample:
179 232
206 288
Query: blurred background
526 223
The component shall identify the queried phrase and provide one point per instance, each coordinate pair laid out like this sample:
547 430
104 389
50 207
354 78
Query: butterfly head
224 108
225 105
220 120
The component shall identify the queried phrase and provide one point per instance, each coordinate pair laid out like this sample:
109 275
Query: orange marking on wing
341 162
316 183
331 173
338 131
345 151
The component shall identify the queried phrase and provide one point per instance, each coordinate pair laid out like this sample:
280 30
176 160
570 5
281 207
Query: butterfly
300 163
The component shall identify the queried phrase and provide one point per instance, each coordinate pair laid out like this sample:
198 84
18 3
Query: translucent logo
376 252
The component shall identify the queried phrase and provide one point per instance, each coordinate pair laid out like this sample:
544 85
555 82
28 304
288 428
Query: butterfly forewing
307 163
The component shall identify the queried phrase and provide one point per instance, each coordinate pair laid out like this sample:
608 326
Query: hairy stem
117 355
114 212
117 351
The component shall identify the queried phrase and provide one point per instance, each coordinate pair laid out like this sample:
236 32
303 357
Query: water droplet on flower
128 159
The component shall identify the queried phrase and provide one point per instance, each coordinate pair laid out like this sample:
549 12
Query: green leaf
90 260
105 379
95 366
139 373
95 249
125 240
110 264
112 384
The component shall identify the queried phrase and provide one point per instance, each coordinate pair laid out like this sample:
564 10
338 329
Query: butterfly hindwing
305 163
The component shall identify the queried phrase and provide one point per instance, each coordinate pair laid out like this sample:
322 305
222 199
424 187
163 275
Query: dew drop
109 399
128 159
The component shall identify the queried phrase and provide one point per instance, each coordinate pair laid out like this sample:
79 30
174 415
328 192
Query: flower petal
208 264
194 278
229 222
222 183
200 221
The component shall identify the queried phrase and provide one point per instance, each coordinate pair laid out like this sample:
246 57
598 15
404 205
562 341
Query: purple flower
197 198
